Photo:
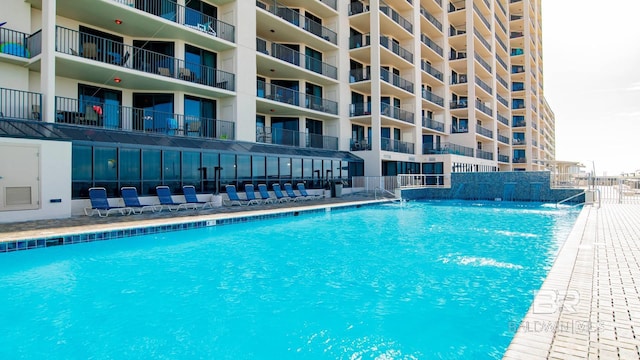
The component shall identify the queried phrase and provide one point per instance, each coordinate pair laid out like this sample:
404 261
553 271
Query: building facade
151 92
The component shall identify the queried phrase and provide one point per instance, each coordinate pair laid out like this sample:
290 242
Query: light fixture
117 80
118 21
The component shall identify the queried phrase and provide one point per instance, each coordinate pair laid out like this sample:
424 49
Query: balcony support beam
48 61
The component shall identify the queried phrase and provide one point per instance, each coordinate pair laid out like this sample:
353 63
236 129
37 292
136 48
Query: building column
48 61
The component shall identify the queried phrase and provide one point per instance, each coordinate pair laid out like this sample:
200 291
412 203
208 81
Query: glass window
272 166
209 163
105 164
285 168
296 168
130 165
244 166
171 165
151 165
228 172
81 163
307 168
191 167
258 167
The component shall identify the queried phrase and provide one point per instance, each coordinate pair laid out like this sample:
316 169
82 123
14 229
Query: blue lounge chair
191 197
305 194
279 196
264 194
291 194
100 204
131 200
166 200
234 199
251 195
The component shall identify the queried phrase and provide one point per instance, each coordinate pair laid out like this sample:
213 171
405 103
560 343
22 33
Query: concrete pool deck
587 308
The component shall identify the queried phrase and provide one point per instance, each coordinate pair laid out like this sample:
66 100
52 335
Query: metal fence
375 184
610 189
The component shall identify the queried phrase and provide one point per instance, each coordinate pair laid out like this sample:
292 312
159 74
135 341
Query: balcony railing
432 19
502 81
447 148
503 158
111 116
484 131
358 7
458 104
20 44
297 58
296 18
502 44
396 80
502 100
482 154
426 67
361 144
429 123
359 40
482 62
516 69
517 104
484 108
288 96
503 139
331 3
431 44
458 55
19 104
500 24
396 113
111 52
396 48
501 62
521 160
183 15
519 141
484 85
360 109
519 123
391 13
459 129
484 19
429 96
460 5
398 146
502 119
279 136
504 11
516 34
357 75
482 39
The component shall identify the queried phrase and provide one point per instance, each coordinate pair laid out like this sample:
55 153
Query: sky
591 65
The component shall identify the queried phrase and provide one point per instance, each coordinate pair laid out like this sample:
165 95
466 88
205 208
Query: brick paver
596 277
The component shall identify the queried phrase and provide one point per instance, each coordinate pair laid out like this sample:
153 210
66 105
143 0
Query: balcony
484 108
289 96
516 69
484 131
516 34
482 154
431 97
279 136
359 109
429 123
297 58
358 7
457 55
358 41
459 129
484 86
519 141
19 44
362 144
482 39
18 104
502 119
517 104
396 48
396 113
358 75
521 160
89 47
502 100
397 146
426 67
447 148
503 158
503 139
185 16
482 62
482 17
432 19
458 104
396 80
117 117
295 18
393 15
431 44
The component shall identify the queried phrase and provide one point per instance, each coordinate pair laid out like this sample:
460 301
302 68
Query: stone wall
506 186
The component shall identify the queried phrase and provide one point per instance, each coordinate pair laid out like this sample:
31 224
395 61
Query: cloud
634 87
628 114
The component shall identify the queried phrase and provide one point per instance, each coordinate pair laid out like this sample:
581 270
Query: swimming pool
413 280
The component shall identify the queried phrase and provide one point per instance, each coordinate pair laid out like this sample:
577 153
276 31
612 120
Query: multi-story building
149 92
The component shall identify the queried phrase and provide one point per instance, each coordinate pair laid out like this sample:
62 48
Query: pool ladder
383 191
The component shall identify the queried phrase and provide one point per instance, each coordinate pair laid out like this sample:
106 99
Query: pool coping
100 232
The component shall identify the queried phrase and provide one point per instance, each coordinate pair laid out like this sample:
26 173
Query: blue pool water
403 281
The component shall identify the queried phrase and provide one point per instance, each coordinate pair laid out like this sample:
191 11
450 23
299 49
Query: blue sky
591 52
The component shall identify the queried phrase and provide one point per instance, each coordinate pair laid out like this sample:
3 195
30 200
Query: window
201 64
152 111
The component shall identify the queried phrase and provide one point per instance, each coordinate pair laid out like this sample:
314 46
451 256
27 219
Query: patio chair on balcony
164 71
90 116
35 111
193 128
185 74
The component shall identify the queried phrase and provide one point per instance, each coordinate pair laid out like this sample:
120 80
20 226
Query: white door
19 177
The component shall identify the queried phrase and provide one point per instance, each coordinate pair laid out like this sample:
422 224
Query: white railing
408 181
374 183
610 189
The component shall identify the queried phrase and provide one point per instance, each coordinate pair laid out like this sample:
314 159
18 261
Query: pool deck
587 308
589 305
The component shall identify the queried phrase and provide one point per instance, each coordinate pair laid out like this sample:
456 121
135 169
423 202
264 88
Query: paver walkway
589 305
